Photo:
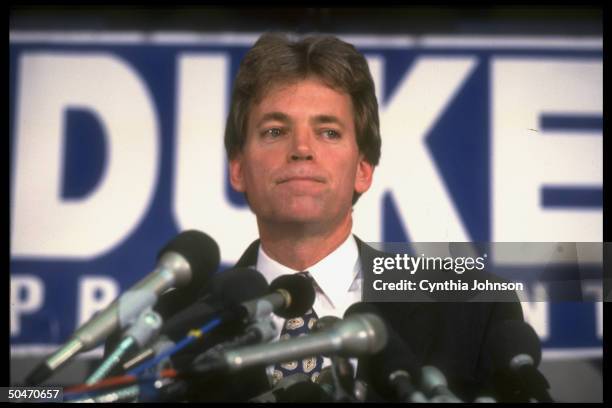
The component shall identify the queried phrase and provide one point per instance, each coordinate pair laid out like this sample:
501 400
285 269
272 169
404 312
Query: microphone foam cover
238 285
199 250
510 338
301 291
224 289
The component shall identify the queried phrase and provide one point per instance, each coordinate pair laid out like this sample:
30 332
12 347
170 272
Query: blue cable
190 338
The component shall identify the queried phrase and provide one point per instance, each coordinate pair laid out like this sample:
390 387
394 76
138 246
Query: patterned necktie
295 327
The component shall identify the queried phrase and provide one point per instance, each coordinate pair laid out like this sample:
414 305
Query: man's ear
363 178
235 173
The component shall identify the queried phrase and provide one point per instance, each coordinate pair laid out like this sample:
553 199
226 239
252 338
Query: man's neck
299 247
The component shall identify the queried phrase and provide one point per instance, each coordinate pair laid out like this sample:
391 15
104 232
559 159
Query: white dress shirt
338 283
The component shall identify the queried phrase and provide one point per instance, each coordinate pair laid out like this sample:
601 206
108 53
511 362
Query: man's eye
273 132
331 134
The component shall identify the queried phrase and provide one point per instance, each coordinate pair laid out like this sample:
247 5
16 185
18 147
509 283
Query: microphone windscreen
237 285
199 250
225 289
300 290
510 338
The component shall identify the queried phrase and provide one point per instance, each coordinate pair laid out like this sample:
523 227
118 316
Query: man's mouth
311 179
287 179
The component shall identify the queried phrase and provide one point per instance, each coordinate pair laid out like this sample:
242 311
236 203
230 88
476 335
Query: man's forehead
275 99
291 84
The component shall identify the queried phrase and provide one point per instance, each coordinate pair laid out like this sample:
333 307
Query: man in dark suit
302 139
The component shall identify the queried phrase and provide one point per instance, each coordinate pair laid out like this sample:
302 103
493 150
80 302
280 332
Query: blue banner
116 145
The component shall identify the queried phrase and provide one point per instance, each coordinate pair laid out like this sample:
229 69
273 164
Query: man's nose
301 145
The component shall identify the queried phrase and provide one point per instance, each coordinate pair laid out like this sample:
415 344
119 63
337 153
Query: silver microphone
189 254
356 335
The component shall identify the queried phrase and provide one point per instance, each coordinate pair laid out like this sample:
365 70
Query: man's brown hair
275 59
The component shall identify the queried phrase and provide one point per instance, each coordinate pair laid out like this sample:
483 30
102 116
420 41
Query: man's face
300 162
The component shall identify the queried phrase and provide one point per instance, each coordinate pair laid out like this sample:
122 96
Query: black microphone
516 351
290 296
392 371
354 336
190 254
225 290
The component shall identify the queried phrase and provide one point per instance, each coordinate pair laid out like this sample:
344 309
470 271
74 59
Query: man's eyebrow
283 117
318 119
279 116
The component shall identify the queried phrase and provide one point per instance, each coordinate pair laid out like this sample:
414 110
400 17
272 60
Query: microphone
355 336
516 352
434 383
225 289
290 296
393 370
190 254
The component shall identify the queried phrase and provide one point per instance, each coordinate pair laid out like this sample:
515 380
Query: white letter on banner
34 291
95 293
406 167
200 198
525 158
49 83
536 311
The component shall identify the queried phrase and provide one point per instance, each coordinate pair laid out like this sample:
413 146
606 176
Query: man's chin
299 215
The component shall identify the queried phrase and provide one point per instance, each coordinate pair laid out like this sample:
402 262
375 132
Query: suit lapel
249 257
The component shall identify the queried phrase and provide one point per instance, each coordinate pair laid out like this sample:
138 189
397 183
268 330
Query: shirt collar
334 274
